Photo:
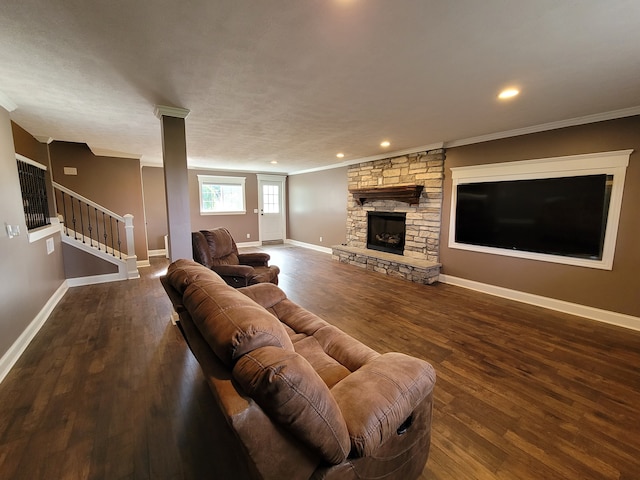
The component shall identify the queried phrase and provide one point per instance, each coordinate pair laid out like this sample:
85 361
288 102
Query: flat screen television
559 216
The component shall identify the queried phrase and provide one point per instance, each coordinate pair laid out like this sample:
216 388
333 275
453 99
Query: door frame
282 180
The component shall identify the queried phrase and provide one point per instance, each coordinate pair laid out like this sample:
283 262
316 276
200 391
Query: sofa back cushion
183 273
222 247
200 249
231 323
289 390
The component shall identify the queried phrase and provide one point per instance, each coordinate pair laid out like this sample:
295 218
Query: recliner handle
402 429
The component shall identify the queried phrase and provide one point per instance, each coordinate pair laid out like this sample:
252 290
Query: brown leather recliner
216 249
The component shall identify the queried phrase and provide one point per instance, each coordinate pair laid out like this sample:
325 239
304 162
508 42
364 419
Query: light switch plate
12 230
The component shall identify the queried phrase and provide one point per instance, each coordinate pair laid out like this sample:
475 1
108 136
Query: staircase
98 231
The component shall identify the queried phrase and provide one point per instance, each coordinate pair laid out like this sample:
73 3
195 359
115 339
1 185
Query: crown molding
380 156
6 103
571 122
164 111
104 152
43 139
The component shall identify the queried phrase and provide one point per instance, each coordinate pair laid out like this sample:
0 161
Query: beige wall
28 275
238 225
318 207
155 206
114 183
616 290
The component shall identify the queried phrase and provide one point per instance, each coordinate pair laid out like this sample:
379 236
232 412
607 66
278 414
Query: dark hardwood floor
109 390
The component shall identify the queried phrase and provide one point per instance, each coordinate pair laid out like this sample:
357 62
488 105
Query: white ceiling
299 80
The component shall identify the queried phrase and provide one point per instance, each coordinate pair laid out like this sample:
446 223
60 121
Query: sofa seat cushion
301 323
286 386
231 323
330 370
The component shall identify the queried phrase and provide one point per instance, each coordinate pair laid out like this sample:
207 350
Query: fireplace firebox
386 231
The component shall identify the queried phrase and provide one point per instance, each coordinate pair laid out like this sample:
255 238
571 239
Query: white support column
132 259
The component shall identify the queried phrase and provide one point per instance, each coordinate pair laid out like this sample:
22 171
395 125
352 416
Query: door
271 204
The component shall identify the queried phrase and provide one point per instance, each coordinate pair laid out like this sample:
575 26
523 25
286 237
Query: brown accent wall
318 207
238 225
28 146
155 206
616 290
25 144
114 183
28 275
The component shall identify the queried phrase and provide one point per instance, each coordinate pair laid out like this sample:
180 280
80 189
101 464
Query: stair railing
95 225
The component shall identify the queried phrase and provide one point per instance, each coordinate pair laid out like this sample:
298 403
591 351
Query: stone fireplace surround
419 262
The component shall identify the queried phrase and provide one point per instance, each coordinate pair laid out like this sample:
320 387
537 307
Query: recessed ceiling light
340 155
274 162
385 144
508 93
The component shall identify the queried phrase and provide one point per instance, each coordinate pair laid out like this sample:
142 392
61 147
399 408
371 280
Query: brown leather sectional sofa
303 399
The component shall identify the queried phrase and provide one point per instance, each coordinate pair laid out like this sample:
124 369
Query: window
34 192
562 210
270 199
221 195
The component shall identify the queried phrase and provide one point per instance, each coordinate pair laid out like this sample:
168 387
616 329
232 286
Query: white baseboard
311 246
12 355
605 316
143 263
94 279
158 253
248 244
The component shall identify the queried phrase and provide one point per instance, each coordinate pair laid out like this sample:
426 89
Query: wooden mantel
402 193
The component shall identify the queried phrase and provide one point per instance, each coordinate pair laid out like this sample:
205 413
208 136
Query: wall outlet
320 238
248 235
50 246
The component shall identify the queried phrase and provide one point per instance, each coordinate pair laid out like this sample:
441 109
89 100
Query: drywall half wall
30 277
617 290
318 207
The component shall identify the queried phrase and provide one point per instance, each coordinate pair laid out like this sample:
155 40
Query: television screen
558 216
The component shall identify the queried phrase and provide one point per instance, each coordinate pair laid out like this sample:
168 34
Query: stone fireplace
409 186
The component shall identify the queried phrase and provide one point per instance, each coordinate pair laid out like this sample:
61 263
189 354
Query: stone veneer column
422 239
174 154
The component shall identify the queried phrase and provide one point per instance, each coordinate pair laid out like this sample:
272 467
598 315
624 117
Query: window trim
222 180
610 163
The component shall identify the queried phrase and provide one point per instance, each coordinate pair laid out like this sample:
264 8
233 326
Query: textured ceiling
299 80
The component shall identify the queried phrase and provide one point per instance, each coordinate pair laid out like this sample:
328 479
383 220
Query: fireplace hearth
386 231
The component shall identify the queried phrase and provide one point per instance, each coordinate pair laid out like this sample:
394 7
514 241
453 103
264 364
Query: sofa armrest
256 259
235 275
379 397
264 294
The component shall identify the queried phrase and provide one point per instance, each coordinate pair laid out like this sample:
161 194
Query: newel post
132 260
